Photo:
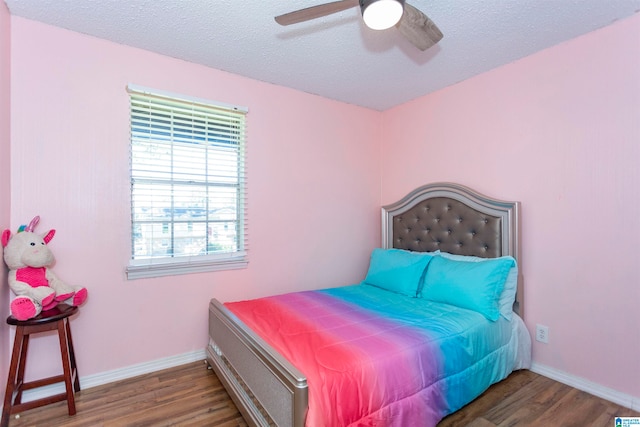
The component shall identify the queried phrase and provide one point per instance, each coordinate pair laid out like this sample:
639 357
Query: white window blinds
188 187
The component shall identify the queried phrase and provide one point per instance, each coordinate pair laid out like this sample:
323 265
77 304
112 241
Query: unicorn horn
33 223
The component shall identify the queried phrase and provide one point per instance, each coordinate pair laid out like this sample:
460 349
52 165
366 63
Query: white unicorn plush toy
36 287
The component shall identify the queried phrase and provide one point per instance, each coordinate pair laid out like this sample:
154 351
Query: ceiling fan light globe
381 14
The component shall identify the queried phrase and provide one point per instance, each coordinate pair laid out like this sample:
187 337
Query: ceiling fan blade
416 27
314 12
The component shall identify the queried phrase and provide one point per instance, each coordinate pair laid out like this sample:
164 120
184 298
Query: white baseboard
622 399
118 374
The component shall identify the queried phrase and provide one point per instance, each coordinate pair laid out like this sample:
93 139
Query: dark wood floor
191 395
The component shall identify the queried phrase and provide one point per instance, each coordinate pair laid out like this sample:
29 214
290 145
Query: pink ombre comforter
376 358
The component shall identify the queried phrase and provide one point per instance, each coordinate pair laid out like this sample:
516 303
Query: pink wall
5 187
557 130
313 172
560 132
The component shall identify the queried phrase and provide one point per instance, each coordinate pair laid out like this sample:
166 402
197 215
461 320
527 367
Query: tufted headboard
453 218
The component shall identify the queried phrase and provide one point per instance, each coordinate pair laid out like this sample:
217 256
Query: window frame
187 264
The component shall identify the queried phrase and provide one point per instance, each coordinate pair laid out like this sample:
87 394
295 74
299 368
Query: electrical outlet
542 333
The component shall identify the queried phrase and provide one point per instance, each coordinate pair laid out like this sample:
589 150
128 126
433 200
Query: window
187 185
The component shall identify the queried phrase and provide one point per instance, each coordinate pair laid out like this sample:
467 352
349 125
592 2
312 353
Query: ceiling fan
414 25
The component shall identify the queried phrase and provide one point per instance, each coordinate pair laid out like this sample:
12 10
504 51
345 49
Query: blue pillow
473 285
397 270
508 295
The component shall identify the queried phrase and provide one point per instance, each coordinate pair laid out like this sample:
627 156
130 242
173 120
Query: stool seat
56 318
58 312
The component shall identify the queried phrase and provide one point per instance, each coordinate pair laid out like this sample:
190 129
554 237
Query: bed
435 322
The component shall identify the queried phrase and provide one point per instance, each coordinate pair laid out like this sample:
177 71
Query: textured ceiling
336 57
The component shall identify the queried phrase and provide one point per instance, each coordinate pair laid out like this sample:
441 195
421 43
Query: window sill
171 267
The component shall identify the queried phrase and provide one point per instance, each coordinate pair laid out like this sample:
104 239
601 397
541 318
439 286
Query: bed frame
270 391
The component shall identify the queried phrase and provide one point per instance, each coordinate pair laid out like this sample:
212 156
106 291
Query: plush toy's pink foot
48 300
23 308
80 296
62 297
50 305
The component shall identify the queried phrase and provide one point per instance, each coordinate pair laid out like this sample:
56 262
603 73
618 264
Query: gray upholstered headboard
453 218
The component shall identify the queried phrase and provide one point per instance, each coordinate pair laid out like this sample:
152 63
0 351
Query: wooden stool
50 320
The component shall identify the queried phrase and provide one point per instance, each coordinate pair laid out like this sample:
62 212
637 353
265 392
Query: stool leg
22 363
64 350
72 357
11 380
